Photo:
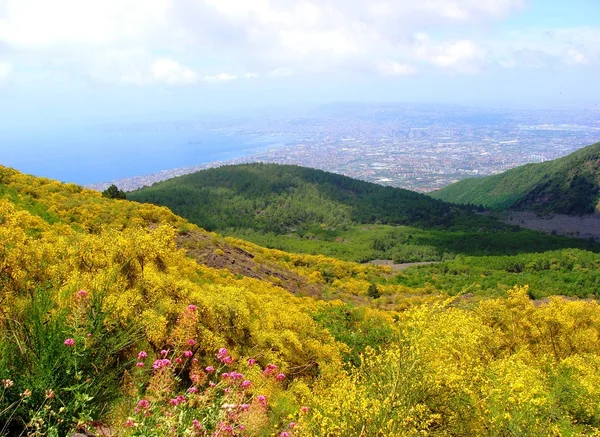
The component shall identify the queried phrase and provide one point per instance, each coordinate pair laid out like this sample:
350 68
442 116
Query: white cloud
392 68
462 55
154 41
172 73
539 48
221 77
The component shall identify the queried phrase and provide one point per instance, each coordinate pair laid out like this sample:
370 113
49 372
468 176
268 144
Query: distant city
417 147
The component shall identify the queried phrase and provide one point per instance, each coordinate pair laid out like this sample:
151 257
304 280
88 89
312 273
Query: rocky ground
586 227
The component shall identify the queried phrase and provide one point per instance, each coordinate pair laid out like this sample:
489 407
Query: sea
98 154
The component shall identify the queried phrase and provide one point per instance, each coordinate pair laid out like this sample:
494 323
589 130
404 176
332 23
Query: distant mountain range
568 185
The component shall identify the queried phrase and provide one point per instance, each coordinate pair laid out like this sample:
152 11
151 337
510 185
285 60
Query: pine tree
113 192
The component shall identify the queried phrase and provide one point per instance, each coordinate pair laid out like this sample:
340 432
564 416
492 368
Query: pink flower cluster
224 357
69 342
178 400
161 364
269 369
142 405
82 294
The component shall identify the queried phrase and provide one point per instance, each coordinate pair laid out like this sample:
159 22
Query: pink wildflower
192 307
191 342
209 369
225 375
304 409
246 383
262 399
194 360
227 360
251 362
197 424
188 354
142 355
280 377
129 423
222 353
164 353
178 360
82 294
284 434
143 404
236 375
69 342
244 407
139 364
211 384
159 364
192 390
291 424
269 369
225 427
242 427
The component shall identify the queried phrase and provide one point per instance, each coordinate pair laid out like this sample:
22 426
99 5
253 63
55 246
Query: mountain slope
568 185
112 322
280 198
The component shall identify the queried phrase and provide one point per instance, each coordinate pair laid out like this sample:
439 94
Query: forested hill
568 185
279 198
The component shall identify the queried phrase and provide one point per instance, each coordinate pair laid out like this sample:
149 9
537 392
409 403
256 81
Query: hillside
310 211
568 185
283 198
121 318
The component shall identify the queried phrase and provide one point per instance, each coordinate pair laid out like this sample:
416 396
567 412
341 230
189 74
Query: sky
72 61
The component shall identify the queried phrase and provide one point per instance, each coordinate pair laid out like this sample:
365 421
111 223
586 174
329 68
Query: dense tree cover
104 320
283 198
566 185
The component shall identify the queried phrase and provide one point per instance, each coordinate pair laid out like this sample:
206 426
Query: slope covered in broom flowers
105 324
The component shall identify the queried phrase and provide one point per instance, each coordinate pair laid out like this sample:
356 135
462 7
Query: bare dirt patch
216 253
585 227
401 266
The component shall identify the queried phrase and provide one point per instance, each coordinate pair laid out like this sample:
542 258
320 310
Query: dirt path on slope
401 266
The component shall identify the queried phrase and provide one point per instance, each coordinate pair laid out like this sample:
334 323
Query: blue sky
73 61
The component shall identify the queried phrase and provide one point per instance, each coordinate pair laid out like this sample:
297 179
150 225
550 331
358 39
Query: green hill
283 198
567 185
303 210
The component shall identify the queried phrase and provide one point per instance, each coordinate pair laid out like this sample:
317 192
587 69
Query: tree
113 192
373 291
